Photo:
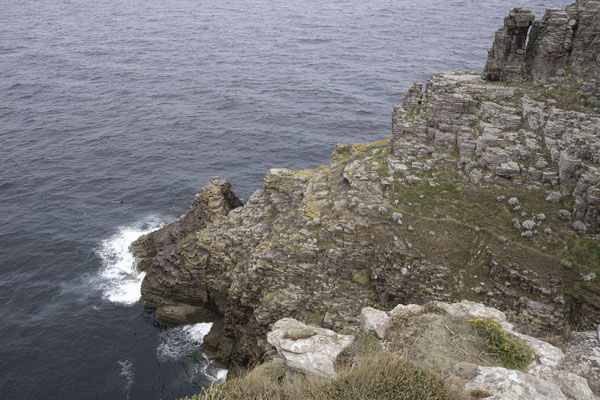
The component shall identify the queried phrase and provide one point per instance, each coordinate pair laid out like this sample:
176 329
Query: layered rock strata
553 373
506 59
485 191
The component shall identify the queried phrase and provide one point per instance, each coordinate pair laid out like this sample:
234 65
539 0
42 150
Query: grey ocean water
113 114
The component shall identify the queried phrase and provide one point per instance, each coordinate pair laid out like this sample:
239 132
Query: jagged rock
509 169
503 384
307 349
585 50
549 44
506 59
315 246
582 357
376 321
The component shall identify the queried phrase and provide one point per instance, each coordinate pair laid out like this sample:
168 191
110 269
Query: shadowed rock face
585 49
422 216
506 59
550 44
562 41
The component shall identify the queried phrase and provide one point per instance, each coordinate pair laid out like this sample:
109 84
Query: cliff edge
487 189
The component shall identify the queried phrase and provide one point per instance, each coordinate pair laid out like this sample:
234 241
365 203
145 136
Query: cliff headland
487 189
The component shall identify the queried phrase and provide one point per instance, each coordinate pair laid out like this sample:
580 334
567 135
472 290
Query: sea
113 114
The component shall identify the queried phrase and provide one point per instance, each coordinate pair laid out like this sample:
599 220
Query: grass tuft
512 352
376 376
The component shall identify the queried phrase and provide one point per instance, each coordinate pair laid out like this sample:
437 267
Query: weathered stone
310 354
376 321
549 44
503 384
506 59
582 357
509 169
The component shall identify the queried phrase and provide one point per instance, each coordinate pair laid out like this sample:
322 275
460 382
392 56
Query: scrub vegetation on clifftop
374 376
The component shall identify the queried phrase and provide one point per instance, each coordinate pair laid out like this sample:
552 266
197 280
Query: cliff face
484 190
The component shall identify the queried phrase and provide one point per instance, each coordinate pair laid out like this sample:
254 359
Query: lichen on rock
419 216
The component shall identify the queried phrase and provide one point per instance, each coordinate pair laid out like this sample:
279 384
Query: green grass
512 352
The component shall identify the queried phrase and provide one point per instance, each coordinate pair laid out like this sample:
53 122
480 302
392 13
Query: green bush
511 351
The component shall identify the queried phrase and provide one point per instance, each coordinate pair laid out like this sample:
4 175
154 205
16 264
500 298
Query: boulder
503 384
307 349
376 321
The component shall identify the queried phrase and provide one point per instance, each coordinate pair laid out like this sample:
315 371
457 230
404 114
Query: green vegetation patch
363 277
512 352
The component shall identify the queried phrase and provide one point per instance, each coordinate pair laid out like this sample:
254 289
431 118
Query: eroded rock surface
504 384
307 349
583 357
425 215
506 59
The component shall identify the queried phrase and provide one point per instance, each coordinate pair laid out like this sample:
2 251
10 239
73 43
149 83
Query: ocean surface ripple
113 114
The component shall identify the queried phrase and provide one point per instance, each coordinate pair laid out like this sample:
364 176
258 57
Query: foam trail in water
184 342
119 279
127 373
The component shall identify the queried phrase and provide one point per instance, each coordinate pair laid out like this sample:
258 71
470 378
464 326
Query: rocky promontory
487 189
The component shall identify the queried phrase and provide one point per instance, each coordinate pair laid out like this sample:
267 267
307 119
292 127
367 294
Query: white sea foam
119 279
183 344
221 375
182 341
127 373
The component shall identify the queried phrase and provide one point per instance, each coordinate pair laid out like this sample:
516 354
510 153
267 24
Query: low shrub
377 376
511 351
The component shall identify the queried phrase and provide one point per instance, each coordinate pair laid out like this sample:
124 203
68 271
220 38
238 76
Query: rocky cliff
487 189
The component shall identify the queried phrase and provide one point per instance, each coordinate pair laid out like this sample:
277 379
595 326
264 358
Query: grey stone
579 227
554 197
565 215
376 321
506 59
528 224
307 352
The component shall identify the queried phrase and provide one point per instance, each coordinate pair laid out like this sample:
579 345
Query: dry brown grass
437 341
376 376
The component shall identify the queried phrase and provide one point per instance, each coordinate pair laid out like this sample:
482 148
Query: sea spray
127 374
184 344
119 280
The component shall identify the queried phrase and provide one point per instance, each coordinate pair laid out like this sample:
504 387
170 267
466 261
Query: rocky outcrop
563 40
483 191
582 357
550 44
552 375
505 135
179 292
307 349
585 49
503 384
506 59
